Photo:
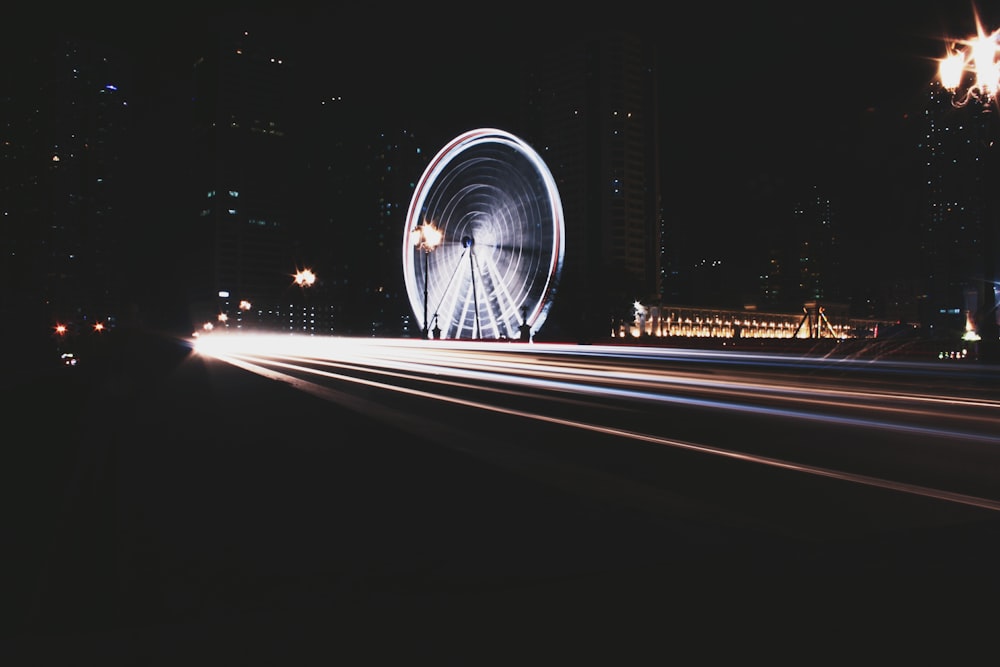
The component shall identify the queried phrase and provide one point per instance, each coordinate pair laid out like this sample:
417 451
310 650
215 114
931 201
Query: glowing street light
304 278
427 238
970 70
971 73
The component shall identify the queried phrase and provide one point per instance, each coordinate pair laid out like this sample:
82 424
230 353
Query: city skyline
833 126
232 435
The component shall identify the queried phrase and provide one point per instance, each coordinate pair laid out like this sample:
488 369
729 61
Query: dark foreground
161 511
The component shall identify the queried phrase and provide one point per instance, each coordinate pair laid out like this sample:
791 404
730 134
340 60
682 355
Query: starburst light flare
970 70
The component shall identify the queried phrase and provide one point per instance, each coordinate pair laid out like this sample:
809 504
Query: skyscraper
955 251
66 183
591 112
247 172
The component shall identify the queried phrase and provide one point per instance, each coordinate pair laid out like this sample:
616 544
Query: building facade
591 112
957 238
247 139
67 189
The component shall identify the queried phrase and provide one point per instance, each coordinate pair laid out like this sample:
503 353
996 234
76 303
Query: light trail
476 374
547 379
507 364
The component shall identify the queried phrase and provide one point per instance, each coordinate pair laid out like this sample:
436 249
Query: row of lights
62 329
303 278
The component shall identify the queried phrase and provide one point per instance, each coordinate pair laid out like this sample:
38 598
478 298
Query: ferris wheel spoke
470 311
492 309
451 281
511 259
506 302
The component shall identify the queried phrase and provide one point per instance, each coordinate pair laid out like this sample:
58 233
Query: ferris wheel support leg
475 302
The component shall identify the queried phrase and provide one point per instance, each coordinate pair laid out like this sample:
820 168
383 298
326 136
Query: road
262 503
624 417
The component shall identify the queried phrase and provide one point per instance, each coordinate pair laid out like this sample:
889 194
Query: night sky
753 95
724 67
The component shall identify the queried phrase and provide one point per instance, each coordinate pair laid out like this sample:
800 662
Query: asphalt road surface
167 509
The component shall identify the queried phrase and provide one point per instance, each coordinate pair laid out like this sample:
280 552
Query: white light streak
473 374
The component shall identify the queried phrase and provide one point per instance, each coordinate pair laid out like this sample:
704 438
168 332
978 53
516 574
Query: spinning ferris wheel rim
487 184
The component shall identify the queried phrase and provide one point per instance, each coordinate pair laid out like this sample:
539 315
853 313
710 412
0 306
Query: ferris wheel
483 242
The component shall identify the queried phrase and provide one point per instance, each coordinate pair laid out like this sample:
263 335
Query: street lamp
971 73
304 278
427 238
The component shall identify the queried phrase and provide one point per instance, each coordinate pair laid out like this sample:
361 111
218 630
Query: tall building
591 112
399 159
249 138
803 258
370 180
957 238
295 170
66 124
